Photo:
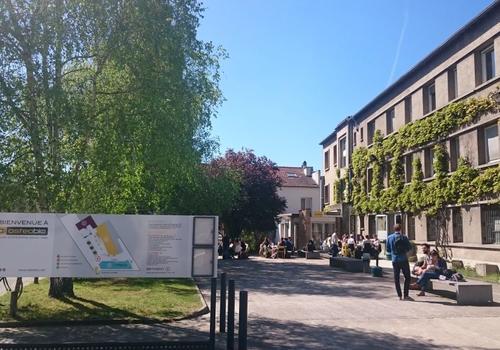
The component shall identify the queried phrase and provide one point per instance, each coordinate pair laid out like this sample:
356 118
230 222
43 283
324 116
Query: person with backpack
398 245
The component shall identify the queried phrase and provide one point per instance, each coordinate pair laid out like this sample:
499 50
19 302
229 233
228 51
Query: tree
105 106
257 207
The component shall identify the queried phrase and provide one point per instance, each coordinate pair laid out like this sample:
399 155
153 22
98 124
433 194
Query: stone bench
468 293
348 264
313 255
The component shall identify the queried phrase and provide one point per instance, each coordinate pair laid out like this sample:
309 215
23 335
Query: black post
213 301
242 325
222 324
230 316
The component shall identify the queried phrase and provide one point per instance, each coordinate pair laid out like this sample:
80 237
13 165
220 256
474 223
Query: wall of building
294 194
464 56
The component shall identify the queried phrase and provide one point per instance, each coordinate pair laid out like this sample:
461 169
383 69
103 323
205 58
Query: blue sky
297 68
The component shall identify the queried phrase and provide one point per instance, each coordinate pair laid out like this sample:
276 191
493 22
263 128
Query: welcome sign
98 245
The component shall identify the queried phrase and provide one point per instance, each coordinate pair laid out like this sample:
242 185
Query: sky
296 68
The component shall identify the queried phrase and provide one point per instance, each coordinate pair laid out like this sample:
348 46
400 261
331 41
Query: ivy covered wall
465 185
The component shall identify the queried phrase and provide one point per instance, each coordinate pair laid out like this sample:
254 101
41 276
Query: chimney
308 170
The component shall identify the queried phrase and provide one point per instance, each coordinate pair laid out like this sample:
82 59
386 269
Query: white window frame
343 153
486 146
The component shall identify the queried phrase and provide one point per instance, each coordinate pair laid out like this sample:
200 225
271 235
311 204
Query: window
408 168
369 177
361 134
327 160
487 64
458 234
452 83
454 153
343 153
291 175
306 203
490 230
371 131
411 226
408 110
354 137
432 228
335 156
387 169
428 159
429 98
491 143
390 115
327 194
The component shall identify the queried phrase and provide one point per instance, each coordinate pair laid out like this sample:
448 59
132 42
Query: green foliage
106 106
465 185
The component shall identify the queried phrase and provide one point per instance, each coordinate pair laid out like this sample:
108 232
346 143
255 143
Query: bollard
213 303
243 321
222 325
230 316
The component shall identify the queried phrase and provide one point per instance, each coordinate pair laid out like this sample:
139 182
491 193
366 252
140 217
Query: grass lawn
107 299
469 272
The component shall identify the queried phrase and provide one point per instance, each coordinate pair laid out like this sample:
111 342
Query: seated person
358 252
334 250
346 251
367 245
421 265
288 244
432 271
310 246
243 254
351 243
236 247
265 248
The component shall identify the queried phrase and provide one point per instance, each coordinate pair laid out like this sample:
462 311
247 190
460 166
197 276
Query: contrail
400 43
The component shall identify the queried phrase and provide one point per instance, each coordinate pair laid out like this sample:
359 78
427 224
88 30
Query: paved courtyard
304 304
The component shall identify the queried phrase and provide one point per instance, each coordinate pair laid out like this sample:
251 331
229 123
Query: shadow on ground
275 334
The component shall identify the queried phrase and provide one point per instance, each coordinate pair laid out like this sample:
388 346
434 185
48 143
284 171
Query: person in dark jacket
398 246
432 271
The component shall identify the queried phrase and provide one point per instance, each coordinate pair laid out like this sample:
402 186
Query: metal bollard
213 303
230 316
243 321
222 324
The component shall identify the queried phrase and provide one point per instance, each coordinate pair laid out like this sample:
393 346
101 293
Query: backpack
400 246
457 277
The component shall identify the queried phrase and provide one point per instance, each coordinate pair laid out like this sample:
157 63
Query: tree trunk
61 287
14 296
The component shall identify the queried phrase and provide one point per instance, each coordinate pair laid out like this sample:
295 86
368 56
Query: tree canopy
258 203
106 106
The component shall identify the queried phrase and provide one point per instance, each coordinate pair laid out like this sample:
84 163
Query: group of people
432 266
231 249
347 246
268 249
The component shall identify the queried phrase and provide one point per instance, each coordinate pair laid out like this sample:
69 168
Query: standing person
398 246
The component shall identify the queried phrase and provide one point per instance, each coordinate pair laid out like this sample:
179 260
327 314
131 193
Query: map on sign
99 243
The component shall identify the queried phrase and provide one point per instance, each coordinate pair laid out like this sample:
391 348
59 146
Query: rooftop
295 177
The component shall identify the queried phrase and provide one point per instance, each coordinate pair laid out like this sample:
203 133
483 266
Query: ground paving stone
305 304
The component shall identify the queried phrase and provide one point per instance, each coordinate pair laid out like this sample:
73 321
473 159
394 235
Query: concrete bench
348 264
468 293
313 255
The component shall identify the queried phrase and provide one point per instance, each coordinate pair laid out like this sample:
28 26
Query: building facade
465 66
303 218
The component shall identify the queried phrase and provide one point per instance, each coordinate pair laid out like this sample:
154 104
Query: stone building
464 66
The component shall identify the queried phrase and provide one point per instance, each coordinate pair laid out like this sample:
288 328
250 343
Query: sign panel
98 245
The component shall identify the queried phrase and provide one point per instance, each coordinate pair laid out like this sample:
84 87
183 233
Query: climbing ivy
465 185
